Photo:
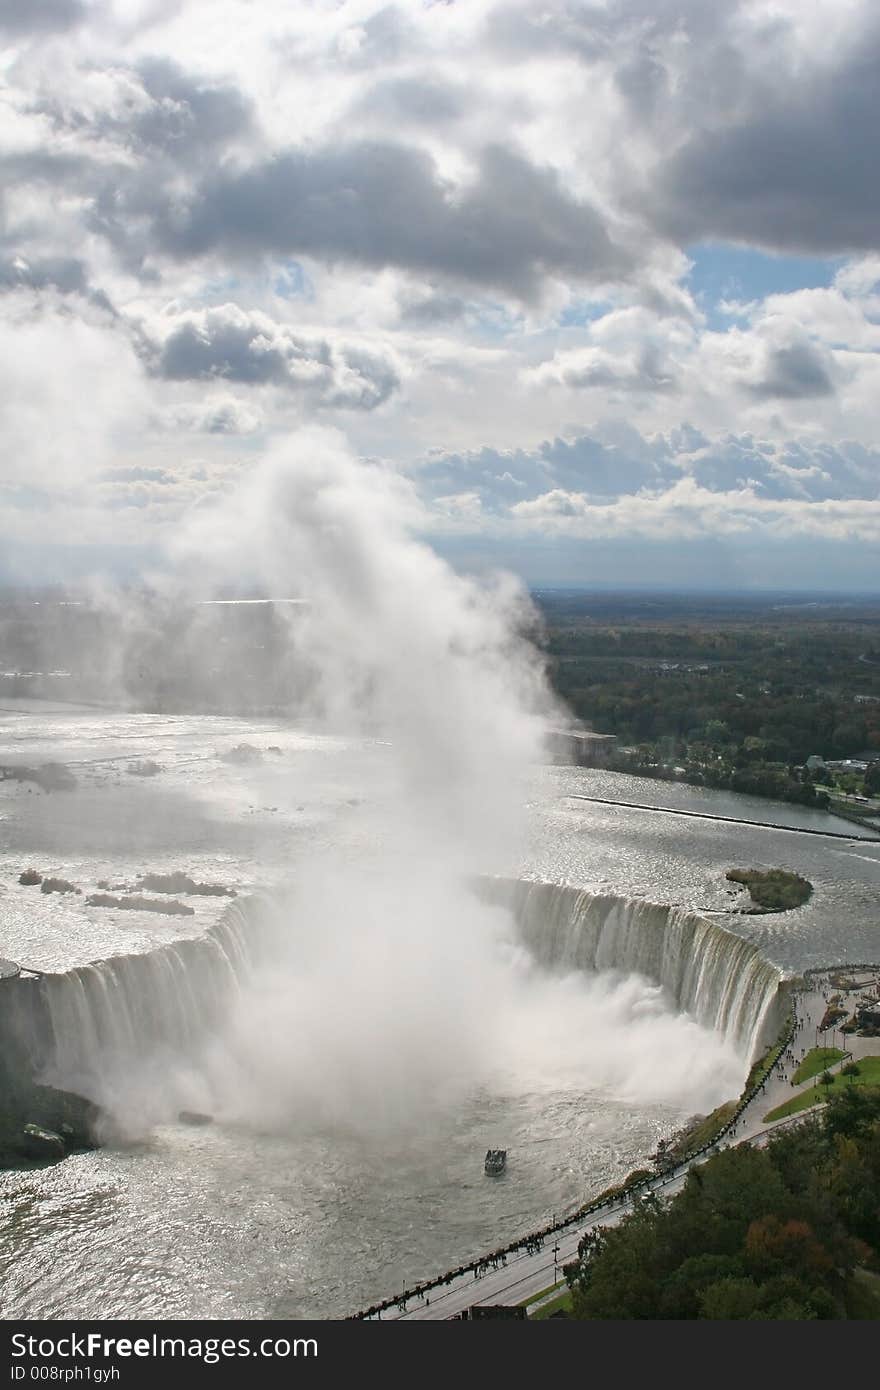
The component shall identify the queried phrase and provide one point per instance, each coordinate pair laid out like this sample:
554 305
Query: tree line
786 1232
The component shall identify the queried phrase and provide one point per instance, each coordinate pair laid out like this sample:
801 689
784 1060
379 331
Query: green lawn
816 1060
869 1075
556 1305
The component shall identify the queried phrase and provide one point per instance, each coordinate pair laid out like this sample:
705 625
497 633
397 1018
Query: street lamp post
555 1263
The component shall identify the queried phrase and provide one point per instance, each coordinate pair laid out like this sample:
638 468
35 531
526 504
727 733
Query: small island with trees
772 890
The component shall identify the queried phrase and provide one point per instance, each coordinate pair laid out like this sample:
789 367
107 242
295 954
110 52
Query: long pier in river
727 820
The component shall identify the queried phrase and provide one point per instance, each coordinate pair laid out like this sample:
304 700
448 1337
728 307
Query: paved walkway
810 1007
523 1274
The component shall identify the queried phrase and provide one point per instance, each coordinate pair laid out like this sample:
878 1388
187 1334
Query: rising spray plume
395 986
385 997
395 644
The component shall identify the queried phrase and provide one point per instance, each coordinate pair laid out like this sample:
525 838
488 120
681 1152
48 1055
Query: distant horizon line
53 592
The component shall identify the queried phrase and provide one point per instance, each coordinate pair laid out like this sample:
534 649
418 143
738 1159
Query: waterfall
162 1008
708 972
113 1016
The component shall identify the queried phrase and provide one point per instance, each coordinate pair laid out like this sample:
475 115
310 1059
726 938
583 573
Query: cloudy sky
600 278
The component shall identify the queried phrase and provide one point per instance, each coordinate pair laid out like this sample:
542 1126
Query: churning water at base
299 1219
708 972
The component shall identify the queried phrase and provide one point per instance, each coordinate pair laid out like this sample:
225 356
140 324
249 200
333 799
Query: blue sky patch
722 271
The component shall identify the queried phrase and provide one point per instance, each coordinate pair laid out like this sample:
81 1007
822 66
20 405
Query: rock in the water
50 777
30 877
242 753
194 1117
178 882
138 903
58 885
42 1143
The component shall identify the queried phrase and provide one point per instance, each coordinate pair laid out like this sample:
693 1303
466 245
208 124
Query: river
295 1210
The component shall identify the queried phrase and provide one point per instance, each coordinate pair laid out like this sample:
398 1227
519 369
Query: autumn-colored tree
771 1242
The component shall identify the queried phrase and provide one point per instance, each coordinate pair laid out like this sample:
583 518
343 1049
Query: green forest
734 693
786 1232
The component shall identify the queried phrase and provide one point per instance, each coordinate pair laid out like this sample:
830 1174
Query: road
525 1274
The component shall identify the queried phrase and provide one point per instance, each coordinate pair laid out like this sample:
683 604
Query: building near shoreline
580 747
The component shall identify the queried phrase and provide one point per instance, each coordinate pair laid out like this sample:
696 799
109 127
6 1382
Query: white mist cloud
71 391
394 988
398 993
401 645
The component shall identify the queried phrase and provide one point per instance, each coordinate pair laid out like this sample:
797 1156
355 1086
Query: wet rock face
41 1143
39 1124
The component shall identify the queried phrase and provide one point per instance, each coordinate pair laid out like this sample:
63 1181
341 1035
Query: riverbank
844 812
796 794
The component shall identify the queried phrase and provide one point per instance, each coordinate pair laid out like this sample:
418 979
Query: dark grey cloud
644 82
771 142
229 350
815 473
179 116
226 344
601 469
64 273
377 203
503 477
383 204
431 308
174 125
189 115
794 165
40 16
647 369
796 372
